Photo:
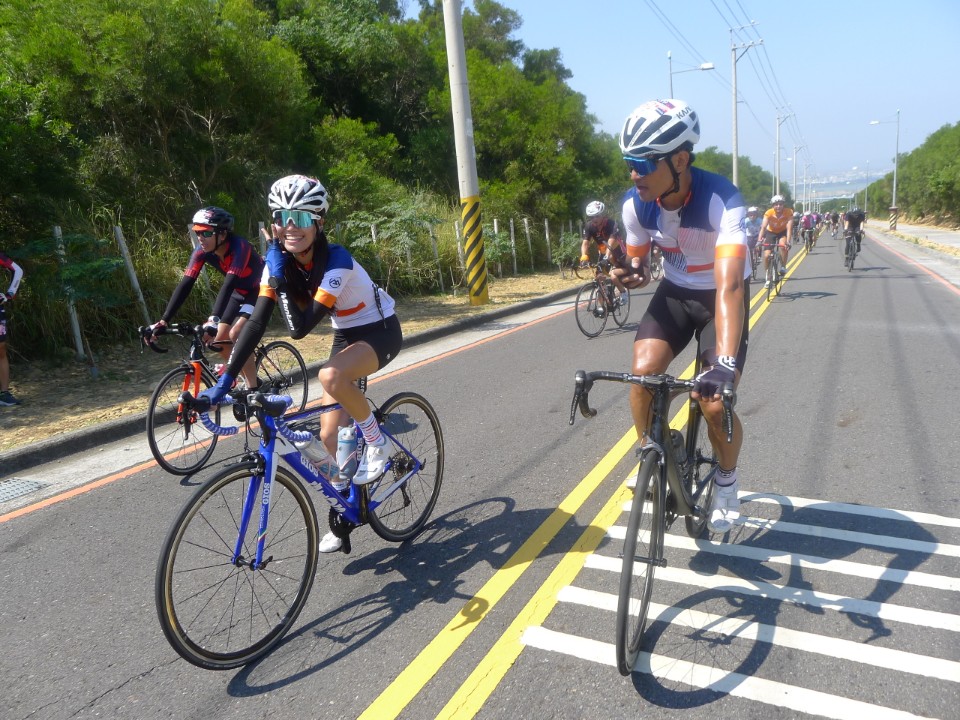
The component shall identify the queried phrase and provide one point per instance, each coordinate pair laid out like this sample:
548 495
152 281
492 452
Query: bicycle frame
352 507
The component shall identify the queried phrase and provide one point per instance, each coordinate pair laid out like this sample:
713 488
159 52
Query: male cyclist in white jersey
697 220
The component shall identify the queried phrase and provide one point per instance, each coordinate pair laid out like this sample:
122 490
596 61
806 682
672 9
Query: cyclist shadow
428 569
708 644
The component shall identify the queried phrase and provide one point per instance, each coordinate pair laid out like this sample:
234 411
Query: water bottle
347 453
317 454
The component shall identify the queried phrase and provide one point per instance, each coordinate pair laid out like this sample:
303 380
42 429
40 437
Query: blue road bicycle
239 561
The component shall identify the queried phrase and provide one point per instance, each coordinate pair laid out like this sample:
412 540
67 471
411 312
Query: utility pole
476 265
733 62
779 123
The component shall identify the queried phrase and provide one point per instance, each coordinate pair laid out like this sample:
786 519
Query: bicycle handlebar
273 405
146 332
583 383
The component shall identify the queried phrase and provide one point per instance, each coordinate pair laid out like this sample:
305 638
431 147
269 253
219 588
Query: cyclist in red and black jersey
234 258
605 233
6 397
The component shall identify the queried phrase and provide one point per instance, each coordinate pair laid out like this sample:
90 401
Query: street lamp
701 66
896 157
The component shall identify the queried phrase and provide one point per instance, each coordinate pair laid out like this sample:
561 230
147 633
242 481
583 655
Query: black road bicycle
599 300
675 480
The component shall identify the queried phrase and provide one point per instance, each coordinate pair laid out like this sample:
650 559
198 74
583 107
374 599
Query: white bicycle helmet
595 208
659 127
752 209
299 192
777 199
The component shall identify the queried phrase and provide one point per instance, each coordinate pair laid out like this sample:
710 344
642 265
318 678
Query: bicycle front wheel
178 441
281 367
414 427
642 551
621 308
218 612
590 311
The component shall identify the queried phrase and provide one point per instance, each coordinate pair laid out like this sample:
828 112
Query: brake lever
729 398
581 399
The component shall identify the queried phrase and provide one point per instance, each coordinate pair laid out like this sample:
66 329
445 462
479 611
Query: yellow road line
475 690
408 684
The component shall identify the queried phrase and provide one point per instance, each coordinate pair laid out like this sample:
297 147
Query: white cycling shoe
724 508
374 461
330 543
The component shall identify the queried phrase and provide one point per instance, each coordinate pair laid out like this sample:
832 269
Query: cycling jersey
15 270
346 290
241 267
709 225
854 219
777 224
752 227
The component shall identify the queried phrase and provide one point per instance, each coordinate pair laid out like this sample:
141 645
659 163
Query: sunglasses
643 166
205 233
301 218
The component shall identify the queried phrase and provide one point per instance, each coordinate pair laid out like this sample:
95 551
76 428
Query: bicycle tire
851 254
590 312
700 453
179 443
622 311
755 260
656 269
280 365
195 575
413 424
646 512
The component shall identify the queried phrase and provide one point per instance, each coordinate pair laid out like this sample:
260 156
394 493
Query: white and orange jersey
348 292
710 225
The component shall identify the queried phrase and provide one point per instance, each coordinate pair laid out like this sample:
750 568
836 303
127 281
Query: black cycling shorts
770 238
384 336
677 314
238 305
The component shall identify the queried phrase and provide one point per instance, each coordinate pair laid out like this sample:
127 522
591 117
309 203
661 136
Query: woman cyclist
311 279
234 258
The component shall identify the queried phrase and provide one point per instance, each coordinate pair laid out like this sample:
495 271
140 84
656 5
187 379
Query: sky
827 69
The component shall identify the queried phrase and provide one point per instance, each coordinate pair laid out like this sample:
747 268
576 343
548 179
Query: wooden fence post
513 248
71 309
131 272
546 235
526 229
436 256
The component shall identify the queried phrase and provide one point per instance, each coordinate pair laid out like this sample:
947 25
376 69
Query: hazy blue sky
834 65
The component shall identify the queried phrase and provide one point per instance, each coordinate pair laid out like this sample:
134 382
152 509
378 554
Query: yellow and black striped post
894 216
473 250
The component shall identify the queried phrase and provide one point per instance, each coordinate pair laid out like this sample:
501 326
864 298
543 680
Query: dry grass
60 397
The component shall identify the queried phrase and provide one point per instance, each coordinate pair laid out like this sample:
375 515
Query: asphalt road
836 597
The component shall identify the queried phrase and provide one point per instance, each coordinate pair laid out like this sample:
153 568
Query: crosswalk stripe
740 627
852 536
800 503
807 562
797 596
781 695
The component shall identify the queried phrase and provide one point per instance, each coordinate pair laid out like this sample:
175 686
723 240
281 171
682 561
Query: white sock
726 478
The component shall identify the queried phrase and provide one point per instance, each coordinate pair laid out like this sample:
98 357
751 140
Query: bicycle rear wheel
281 367
621 308
414 427
642 551
178 441
590 310
219 614
851 253
701 461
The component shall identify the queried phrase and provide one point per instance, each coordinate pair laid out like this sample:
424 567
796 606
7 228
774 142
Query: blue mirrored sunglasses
301 218
642 166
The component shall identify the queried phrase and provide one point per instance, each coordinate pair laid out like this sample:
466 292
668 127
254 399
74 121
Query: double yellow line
473 693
